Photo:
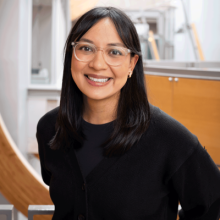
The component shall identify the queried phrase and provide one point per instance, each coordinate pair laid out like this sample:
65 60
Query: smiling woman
105 152
101 73
103 32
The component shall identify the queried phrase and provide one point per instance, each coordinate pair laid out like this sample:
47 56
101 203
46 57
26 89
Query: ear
133 62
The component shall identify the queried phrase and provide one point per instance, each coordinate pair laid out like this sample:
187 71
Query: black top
91 153
167 165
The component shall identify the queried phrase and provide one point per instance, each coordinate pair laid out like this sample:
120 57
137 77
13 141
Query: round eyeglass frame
96 49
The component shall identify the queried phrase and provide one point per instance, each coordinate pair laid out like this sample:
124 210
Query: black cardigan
167 164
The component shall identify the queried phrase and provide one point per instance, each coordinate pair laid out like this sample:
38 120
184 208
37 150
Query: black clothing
90 154
167 164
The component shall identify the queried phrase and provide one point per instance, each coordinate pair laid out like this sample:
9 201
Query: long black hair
133 112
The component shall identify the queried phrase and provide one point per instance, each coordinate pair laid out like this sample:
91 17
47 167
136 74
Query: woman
106 153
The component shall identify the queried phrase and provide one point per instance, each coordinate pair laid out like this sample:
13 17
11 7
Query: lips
97 80
97 76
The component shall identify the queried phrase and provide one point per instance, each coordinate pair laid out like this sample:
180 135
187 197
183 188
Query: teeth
97 80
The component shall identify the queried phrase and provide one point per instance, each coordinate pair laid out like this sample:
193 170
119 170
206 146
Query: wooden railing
19 182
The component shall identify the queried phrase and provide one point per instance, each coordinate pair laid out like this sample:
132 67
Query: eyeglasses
113 55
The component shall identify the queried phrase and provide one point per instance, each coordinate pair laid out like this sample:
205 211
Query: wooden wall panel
159 90
196 104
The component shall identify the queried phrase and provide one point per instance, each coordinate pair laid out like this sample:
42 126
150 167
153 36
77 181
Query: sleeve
46 175
197 184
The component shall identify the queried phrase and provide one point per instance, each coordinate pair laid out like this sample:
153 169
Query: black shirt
91 153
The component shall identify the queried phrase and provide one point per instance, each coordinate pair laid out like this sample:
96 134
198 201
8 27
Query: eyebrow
111 44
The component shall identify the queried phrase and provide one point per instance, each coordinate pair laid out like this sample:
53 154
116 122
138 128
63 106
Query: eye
86 48
115 52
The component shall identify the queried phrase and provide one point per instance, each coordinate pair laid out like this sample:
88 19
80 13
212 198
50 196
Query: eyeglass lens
112 55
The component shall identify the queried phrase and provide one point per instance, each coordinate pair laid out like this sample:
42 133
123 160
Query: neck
100 111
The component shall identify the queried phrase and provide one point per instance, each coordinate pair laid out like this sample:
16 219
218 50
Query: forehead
103 32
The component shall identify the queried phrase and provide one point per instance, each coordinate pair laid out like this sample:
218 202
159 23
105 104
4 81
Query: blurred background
181 50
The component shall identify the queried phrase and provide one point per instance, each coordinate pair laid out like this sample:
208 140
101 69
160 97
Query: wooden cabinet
159 91
193 102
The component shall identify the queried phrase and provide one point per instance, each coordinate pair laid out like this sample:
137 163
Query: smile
98 80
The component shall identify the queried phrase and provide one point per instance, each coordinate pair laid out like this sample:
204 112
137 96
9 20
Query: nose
98 62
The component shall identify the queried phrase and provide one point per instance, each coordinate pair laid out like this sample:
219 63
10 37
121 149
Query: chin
97 97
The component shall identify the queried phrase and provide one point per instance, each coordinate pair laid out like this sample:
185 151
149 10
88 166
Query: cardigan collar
103 166
96 173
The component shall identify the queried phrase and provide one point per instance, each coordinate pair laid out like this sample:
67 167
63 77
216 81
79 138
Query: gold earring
129 75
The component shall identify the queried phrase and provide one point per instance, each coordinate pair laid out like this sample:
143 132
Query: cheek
120 73
76 65
76 69
123 70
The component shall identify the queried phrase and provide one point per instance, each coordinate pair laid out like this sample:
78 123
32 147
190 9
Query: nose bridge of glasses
102 50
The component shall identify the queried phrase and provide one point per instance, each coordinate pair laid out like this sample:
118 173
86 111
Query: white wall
9 63
205 14
61 25
14 69
59 35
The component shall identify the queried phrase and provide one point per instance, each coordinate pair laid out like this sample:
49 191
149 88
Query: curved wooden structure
20 183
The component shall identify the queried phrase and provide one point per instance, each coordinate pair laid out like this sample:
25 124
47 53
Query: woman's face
101 35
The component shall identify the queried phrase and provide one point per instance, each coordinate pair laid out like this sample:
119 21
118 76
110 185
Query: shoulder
169 129
170 141
47 122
